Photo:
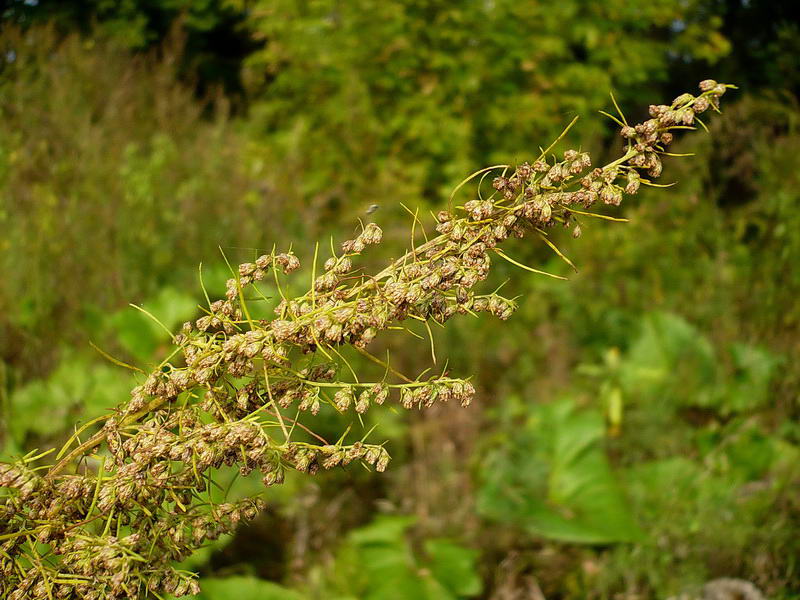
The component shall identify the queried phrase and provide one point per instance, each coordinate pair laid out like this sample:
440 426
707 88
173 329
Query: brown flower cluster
114 513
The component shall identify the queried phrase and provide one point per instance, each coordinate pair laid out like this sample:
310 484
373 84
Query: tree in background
216 37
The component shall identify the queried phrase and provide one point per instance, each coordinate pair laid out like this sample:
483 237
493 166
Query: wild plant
111 516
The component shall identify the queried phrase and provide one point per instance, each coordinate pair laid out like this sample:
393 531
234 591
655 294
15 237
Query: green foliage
81 386
214 32
245 588
374 562
553 479
711 516
702 473
667 351
399 98
377 562
754 370
113 180
141 334
48 407
670 356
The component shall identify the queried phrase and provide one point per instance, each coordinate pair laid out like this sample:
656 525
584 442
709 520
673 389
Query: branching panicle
116 511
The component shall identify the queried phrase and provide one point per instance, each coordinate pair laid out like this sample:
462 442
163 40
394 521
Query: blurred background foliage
638 430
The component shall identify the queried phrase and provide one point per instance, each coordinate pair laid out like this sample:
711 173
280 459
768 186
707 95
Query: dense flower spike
116 511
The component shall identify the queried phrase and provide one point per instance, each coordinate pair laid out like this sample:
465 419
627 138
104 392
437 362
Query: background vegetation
637 433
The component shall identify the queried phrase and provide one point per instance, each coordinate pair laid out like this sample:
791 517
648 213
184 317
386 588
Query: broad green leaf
749 386
377 562
675 365
383 530
454 567
554 480
75 387
245 588
135 333
669 357
140 335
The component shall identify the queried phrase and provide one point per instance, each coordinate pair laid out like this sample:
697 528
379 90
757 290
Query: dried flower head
115 512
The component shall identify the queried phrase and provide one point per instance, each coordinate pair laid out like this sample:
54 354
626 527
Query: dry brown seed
700 105
707 85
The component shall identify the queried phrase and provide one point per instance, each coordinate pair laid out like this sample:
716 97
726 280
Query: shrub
108 163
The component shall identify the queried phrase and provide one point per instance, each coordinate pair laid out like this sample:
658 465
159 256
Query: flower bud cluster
426 394
252 272
372 234
19 477
308 458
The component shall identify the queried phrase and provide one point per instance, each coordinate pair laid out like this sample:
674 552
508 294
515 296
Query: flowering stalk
113 514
